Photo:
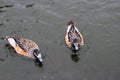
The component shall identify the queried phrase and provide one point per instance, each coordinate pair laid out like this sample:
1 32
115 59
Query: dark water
44 21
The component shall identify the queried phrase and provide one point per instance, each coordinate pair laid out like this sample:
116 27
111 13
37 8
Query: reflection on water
29 5
38 63
11 50
1 59
75 57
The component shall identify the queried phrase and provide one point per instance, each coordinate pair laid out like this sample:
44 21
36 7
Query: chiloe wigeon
25 47
73 37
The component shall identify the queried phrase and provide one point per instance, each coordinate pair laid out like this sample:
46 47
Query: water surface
44 21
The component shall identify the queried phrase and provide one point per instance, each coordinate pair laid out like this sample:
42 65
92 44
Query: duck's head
75 44
38 55
76 47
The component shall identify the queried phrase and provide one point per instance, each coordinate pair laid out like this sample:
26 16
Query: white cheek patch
39 56
12 41
68 29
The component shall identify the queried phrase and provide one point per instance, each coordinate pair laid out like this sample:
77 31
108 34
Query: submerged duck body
73 37
25 47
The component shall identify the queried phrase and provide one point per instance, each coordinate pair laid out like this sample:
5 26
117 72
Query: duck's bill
40 58
76 46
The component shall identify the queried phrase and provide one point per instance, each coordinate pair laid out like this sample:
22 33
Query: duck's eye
36 51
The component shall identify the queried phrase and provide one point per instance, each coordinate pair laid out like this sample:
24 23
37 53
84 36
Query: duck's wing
73 34
26 44
80 36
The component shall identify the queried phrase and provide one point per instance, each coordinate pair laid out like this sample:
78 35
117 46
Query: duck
25 47
73 38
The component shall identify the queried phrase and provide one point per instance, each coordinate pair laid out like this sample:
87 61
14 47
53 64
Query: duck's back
73 34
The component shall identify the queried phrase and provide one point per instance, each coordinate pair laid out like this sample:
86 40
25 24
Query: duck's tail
70 22
11 40
5 37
